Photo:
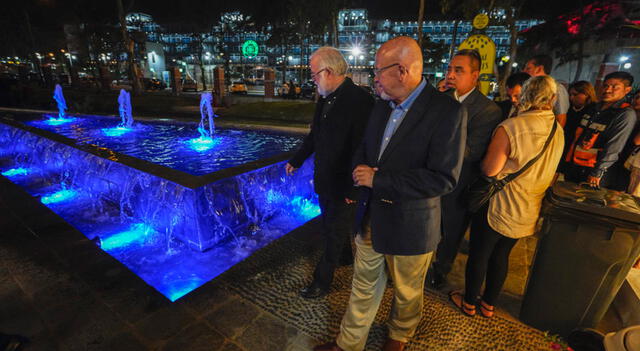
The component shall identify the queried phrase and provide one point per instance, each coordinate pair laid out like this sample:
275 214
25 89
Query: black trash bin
589 241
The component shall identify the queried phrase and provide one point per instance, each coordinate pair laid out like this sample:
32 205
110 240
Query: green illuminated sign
250 48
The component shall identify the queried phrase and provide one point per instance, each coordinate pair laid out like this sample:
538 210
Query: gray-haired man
338 125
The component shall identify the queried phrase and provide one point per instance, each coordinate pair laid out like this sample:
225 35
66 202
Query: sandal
486 310
457 298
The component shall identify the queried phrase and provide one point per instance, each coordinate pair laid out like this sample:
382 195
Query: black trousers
337 218
455 220
488 258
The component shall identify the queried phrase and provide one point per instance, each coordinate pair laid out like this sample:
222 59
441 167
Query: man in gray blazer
483 115
410 156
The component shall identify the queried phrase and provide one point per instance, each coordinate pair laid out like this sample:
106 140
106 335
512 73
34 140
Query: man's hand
289 169
363 175
348 201
593 182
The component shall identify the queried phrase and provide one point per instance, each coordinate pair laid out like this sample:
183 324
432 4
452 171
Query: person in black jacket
338 125
411 155
483 116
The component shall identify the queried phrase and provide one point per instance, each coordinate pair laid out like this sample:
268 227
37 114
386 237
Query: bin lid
601 202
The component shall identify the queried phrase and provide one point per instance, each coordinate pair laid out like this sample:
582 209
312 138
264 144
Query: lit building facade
358 38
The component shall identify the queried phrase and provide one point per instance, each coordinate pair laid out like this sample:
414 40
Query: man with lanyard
602 134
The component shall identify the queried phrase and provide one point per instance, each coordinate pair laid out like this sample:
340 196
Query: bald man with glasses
410 156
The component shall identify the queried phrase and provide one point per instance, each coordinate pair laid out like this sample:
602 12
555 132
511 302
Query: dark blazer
483 116
334 139
420 164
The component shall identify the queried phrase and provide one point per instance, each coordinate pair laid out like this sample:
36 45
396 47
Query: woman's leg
498 267
481 244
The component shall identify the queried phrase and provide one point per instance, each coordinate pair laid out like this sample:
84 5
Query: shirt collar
337 91
461 98
406 104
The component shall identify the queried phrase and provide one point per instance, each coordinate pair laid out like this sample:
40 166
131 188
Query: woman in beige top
512 213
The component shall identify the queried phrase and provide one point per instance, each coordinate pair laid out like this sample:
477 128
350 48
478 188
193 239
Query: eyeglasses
314 75
377 71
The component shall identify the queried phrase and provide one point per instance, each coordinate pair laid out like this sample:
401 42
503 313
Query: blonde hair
332 59
538 93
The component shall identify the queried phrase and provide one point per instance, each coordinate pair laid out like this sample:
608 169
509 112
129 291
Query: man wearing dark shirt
483 115
602 134
338 125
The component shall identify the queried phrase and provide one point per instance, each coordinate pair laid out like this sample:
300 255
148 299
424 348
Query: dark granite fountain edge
182 178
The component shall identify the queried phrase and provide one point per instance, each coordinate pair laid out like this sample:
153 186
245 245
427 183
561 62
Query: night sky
51 14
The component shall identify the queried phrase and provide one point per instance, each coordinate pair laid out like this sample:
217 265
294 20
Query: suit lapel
414 115
382 117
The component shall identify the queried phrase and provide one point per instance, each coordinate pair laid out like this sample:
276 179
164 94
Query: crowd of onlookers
408 174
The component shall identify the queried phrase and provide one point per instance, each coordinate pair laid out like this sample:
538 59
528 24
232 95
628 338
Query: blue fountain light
302 207
179 289
136 234
203 144
124 102
60 101
59 196
56 121
62 106
205 141
306 208
116 131
15 172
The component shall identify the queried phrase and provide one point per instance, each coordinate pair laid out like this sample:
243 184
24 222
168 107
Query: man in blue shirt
410 156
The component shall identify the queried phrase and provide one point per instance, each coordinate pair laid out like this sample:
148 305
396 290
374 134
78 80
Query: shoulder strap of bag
513 176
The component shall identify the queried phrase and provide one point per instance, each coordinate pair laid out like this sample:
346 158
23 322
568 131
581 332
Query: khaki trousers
369 282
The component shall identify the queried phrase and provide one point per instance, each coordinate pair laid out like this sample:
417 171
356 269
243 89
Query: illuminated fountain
165 212
205 141
62 106
126 117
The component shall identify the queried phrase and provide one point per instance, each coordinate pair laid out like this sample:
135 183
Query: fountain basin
146 214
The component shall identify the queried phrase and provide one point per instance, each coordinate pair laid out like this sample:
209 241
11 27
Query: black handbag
484 188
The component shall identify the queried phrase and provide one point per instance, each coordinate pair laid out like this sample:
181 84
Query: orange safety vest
582 151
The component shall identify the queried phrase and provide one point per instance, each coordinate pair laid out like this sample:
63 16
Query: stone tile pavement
62 293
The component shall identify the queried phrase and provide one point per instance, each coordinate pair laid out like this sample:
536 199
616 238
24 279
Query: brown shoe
332 346
393 345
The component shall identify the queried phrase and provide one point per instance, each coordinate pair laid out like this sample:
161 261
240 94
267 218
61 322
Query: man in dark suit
513 87
338 125
411 155
483 115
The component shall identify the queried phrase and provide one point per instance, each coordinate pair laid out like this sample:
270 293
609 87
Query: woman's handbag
484 188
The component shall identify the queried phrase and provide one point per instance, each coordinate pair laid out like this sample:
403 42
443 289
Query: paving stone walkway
63 293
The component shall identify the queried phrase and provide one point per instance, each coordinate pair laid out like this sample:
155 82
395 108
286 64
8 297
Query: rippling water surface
168 144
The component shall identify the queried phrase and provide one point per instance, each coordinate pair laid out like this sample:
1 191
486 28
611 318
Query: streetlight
624 58
68 55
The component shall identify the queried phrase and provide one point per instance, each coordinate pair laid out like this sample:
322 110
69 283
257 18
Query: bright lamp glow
356 51
136 234
59 196
627 65
115 132
624 58
15 172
